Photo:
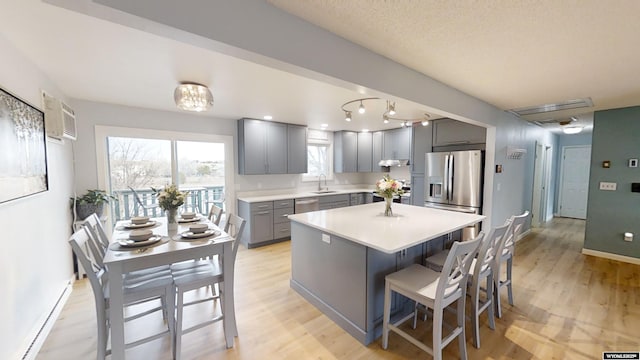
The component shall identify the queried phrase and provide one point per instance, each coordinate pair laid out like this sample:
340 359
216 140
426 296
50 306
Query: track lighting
391 108
386 116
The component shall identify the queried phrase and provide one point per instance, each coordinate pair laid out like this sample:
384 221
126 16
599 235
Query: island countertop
367 225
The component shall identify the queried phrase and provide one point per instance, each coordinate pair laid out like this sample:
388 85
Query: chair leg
496 296
386 315
492 322
462 341
178 327
437 333
475 316
509 282
103 334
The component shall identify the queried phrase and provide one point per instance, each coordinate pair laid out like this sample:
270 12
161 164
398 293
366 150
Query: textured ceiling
510 53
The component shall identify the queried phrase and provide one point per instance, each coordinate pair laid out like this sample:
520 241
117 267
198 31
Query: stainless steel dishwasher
303 205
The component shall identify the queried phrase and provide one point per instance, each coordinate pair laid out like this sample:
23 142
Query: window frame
328 142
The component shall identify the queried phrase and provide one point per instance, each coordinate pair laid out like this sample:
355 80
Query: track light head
361 108
347 116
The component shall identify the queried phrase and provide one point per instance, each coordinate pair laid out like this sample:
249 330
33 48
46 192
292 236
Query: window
317 160
319 156
140 159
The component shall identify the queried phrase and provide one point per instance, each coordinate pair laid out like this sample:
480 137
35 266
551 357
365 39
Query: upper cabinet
451 132
397 144
345 153
297 149
365 152
263 147
422 143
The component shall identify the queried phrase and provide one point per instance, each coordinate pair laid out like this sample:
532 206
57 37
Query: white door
576 161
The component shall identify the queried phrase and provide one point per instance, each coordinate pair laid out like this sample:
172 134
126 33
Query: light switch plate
609 186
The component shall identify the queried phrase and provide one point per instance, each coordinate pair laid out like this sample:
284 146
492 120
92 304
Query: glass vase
172 220
387 206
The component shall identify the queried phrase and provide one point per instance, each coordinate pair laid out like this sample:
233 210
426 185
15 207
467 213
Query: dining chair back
215 214
436 291
135 292
207 273
506 256
481 273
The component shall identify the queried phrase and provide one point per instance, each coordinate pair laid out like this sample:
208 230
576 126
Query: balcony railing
199 200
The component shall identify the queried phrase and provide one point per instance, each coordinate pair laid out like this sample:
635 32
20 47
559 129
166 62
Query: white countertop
367 225
304 194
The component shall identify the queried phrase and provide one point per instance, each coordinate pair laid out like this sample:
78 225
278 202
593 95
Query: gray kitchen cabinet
422 144
296 149
345 153
358 198
281 224
262 147
397 144
267 221
417 189
365 152
259 226
334 201
376 147
452 132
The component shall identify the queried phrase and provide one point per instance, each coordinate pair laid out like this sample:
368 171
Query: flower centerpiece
169 200
388 188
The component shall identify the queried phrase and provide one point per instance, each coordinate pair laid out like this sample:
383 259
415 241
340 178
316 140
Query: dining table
171 247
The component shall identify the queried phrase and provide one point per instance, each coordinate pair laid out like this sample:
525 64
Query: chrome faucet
326 187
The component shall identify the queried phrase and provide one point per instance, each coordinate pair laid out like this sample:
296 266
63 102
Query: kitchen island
340 257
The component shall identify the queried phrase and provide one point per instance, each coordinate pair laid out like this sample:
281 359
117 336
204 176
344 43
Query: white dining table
171 249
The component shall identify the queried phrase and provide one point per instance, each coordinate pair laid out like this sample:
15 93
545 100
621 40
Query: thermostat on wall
633 162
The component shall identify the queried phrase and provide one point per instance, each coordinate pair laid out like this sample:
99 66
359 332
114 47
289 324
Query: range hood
389 163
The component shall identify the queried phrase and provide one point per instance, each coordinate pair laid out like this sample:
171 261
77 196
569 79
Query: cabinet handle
285 215
284 204
284 230
263 213
263 206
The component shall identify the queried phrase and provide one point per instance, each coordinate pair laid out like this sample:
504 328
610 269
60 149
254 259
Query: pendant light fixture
193 97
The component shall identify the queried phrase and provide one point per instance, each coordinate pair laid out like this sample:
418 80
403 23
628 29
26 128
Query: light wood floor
567 306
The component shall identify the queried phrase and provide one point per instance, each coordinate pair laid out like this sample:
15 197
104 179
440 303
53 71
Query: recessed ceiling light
324 125
365 130
268 117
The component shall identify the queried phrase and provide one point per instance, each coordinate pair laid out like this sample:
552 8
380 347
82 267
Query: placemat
116 246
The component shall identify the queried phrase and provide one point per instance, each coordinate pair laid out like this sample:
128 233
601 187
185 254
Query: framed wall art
23 150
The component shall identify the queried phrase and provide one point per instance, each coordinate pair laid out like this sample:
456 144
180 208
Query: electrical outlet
326 238
609 186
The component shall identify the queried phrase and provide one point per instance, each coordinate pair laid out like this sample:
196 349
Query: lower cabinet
267 222
334 201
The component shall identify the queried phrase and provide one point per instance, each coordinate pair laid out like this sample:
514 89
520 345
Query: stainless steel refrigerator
453 180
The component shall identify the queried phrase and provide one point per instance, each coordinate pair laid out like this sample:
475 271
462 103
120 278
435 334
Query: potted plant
91 202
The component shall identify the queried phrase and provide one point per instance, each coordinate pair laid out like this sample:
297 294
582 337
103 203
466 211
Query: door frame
102 161
562 172
541 184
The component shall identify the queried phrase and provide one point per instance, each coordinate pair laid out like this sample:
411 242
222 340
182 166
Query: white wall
35 261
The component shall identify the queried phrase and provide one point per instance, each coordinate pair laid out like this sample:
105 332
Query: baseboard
43 327
522 235
611 256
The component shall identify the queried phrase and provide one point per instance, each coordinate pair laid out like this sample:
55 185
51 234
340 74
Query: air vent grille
565 105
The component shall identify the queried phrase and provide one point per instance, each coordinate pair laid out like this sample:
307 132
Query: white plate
191 235
137 226
130 243
181 220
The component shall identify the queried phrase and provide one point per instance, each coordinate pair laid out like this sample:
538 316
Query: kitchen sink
324 191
